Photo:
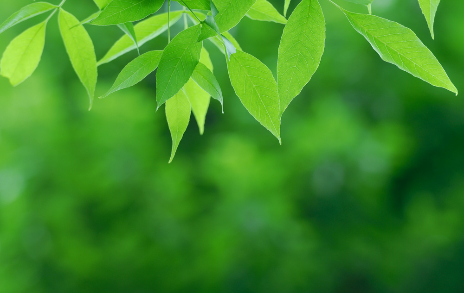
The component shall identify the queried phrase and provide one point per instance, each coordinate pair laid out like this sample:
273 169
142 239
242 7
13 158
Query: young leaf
264 11
145 31
128 29
231 12
300 50
196 4
80 50
178 112
255 86
22 56
399 45
286 6
177 64
26 12
122 11
199 100
207 81
429 9
136 71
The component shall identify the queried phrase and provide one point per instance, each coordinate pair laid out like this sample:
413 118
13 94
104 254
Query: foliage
182 73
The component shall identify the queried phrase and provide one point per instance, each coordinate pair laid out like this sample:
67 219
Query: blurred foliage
366 194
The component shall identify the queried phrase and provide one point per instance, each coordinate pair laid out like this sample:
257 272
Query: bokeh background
366 194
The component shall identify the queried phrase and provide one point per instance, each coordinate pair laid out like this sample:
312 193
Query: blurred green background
366 194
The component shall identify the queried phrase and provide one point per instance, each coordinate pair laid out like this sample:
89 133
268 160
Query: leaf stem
61 4
169 22
369 7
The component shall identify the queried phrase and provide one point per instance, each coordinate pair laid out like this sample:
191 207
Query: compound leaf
22 56
300 50
255 86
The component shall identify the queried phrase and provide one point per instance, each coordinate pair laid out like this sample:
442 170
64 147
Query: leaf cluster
185 81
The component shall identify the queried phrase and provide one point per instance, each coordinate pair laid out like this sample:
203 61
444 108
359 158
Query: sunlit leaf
136 71
255 86
178 113
80 50
264 11
122 11
145 31
231 12
177 64
399 45
26 12
429 8
300 50
22 56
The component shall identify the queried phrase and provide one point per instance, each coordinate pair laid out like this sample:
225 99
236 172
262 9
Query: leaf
300 50
196 4
198 97
255 86
122 11
80 50
231 12
399 45
205 59
177 64
429 9
362 2
128 29
207 81
145 31
286 6
219 43
26 12
136 71
264 11
102 3
22 56
199 101
178 112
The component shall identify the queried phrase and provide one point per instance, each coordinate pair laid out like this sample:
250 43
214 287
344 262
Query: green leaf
205 59
255 86
22 56
232 44
145 31
196 4
177 64
178 112
362 2
300 50
102 3
286 6
264 11
231 12
128 29
80 50
136 71
199 101
399 45
429 9
122 11
207 81
198 97
26 12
